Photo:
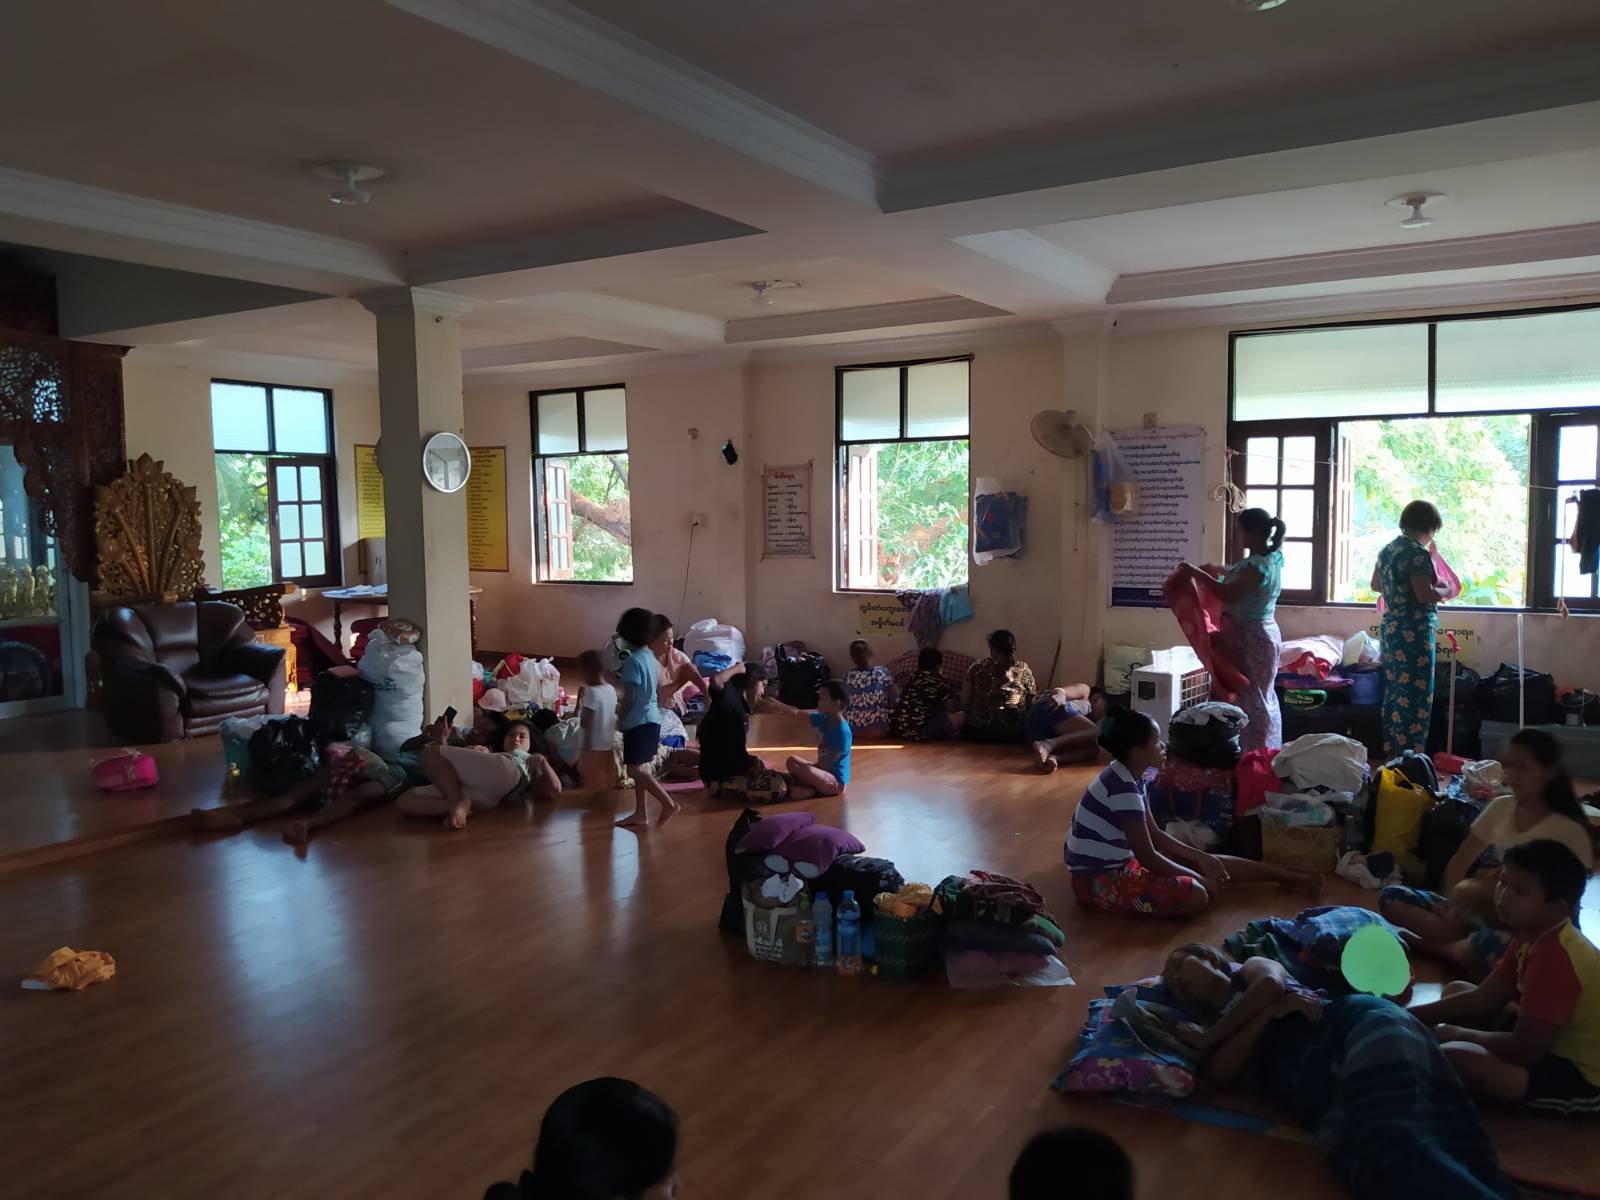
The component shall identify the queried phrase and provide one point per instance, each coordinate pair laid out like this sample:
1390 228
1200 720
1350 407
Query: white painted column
419 395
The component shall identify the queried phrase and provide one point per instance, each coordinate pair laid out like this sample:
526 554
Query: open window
903 482
277 504
583 510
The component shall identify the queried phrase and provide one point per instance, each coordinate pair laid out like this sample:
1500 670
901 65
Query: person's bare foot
296 833
1049 764
458 816
633 820
215 818
669 810
1042 749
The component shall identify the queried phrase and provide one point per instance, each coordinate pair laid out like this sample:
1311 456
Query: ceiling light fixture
1258 5
1414 203
762 286
347 176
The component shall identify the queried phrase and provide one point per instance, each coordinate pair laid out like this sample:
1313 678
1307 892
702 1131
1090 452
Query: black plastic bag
1444 828
1468 716
340 703
801 674
1498 699
282 753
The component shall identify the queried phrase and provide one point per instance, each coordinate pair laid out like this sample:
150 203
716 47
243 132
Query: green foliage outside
923 502
242 520
601 554
1474 470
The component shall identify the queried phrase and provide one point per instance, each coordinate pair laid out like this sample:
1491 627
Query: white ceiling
607 179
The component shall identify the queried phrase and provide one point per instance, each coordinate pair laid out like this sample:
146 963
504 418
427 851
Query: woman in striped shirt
1121 862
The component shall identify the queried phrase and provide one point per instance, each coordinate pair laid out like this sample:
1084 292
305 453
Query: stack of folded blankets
996 923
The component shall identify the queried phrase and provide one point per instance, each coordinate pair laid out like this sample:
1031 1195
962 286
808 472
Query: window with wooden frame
903 479
277 497
1495 419
583 514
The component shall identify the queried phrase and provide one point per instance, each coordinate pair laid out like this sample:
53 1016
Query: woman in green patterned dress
1411 592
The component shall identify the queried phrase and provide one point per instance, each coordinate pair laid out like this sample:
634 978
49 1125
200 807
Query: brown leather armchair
174 670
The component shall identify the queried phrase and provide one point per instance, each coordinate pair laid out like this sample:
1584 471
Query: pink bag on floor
126 772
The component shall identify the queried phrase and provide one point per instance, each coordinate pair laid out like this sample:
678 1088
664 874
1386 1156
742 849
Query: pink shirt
668 693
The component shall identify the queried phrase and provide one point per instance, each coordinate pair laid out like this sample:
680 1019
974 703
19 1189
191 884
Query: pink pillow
769 832
817 846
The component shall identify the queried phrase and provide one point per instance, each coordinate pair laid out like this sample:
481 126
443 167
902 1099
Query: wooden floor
388 1014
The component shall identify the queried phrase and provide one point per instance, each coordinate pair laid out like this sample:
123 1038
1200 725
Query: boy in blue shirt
638 716
829 774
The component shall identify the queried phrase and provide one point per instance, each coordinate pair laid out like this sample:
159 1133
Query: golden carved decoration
147 534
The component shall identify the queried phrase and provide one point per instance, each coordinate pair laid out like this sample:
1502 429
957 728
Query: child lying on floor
1122 862
1063 726
1234 1003
351 780
1549 1058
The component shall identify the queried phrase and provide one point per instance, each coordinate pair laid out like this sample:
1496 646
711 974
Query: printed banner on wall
488 548
369 494
881 616
1169 526
786 503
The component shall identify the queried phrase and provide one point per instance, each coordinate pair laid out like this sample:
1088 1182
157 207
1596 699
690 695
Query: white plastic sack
1121 662
395 673
1360 650
1326 760
713 637
537 684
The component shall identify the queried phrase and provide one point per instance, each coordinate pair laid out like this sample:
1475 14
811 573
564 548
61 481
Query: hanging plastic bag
711 636
1113 491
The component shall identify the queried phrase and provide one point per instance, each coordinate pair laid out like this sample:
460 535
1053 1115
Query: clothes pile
997 932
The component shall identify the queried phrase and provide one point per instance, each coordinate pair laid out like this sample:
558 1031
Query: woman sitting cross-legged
464 780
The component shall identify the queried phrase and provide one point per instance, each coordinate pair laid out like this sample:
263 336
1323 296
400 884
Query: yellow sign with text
369 494
488 547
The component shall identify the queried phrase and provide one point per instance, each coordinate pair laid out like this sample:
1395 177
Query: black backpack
741 868
282 753
861 874
801 674
1468 716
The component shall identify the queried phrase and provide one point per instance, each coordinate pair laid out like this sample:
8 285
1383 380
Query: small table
378 597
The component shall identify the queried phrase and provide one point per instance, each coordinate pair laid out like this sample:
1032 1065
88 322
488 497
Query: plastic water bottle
849 937
805 932
822 915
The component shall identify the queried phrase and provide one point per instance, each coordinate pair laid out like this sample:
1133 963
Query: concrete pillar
419 395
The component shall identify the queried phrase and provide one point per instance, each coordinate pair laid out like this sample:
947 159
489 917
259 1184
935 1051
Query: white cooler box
1173 681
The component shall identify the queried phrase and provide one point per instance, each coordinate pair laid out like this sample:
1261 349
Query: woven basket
905 946
1299 847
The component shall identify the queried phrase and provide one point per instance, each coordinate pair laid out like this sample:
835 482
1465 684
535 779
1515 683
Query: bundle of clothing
1309 946
1199 615
996 928
928 612
1208 735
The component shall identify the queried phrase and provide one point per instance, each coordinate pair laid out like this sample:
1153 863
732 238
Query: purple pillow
768 832
816 846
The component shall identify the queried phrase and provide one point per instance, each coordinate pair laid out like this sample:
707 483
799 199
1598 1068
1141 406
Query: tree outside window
584 513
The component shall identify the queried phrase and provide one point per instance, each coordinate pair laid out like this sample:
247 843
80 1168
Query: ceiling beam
612 318
876 317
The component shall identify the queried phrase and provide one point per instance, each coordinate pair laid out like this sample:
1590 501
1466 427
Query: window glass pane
1566 511
1576 458
1541 360
602 533
1260 461
316 558
1474 469
238 416
310 483
288 521
287 487
242 521
1380 369
915 507
605 420
1297 566
311 520
870 404
1300 460
300 421
1298 511
558 423
290 552
1266 498
1571 584
937 396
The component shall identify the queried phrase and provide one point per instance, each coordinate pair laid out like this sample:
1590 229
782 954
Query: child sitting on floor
1549 1060
923 711
831 772
1082 1163
1122 862
1233 1003
872 694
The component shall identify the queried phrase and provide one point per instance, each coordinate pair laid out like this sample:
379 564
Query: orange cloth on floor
75 969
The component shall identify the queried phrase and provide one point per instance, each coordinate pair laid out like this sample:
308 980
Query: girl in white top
1460 925
597 721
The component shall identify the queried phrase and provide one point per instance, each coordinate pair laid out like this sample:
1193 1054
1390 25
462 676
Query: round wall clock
446 462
